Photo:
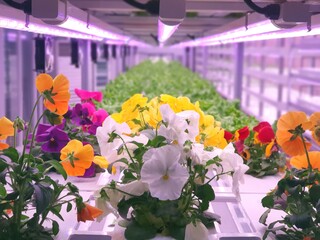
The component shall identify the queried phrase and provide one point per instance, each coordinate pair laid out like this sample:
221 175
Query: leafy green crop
153 79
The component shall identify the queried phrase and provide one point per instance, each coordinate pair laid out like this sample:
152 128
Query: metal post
29 92
281 71
261 83
204 62
238 70
2 80
86 67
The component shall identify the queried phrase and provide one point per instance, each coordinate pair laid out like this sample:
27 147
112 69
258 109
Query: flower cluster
70 123
298 193
28 196
169 151
259 149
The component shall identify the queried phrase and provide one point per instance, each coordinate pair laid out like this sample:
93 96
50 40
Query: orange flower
6 130
55 91
88 213
290 121
315 129
301 161
76 158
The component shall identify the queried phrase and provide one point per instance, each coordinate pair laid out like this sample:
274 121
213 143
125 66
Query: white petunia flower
179 127
232 161
192 118
196 232
110 149
163 173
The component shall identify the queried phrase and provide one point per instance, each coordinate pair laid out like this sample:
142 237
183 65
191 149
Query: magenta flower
52 137
87 96
97 120
99 116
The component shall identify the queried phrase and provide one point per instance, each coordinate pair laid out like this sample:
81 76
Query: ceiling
201 16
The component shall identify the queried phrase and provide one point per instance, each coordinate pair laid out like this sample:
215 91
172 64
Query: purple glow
42 29
165 31
81 26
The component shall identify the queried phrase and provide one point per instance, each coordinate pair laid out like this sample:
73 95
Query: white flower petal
163 173
196 232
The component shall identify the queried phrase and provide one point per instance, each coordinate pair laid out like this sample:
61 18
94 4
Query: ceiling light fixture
171 15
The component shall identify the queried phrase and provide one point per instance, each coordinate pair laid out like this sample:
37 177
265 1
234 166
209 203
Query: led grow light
171 14
80 26
262 30
165 31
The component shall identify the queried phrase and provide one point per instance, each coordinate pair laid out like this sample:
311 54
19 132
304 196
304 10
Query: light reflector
165 31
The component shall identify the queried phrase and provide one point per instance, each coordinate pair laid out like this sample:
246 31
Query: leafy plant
297 195
29 198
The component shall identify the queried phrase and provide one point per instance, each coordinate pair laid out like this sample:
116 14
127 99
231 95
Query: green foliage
154 79
298 196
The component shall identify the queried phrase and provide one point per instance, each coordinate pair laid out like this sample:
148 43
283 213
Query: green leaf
205 192
3 165
264 216
177 233
56 211
267 201
55 227
43 196
69 207
3 191
314 194
134 231
58 167
11 153
123 208
301 221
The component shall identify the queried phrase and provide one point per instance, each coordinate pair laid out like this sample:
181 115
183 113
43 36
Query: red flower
228 135
241 134
264 133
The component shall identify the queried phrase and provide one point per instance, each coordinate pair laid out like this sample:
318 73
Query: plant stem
306 150
34 131
28 128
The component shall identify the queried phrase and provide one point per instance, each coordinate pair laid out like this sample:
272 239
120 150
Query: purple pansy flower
90 171
80 115
52 137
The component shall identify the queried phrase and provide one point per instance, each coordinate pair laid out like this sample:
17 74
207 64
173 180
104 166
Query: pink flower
91 108
87 96
99 116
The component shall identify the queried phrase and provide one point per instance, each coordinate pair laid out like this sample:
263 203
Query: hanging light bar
260 30
78 24
11 18
42 29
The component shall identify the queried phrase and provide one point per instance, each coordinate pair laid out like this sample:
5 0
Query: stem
14 137
219 174
127 150
28 129
306 150
34 131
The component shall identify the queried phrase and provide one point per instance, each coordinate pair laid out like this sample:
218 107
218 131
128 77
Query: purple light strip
80 26
43 29
260 31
